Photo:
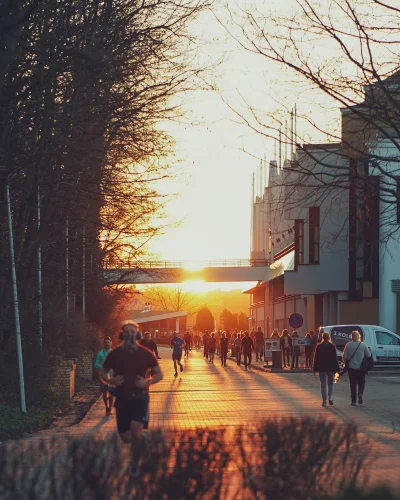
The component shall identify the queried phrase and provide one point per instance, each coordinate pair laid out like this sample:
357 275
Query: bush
292 458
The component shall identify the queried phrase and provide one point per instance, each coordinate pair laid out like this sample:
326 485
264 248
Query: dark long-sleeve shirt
150 345
247 344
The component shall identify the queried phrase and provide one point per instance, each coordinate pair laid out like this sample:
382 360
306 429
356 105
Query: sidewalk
210 395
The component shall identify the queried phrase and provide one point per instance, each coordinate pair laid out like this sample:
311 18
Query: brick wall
63 377
84 366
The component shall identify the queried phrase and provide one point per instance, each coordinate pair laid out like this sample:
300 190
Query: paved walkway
207 395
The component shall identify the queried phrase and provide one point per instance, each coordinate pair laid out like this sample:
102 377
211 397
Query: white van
383 344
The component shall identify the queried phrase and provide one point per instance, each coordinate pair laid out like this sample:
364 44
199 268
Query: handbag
367 364
346 363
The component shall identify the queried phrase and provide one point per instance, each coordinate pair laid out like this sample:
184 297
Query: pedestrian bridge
178 271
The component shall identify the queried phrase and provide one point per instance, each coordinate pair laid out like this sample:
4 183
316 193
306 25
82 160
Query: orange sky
214 205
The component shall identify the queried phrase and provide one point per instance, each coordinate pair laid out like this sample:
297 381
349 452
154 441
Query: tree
243 322
171 299
204 320
228 320
342 56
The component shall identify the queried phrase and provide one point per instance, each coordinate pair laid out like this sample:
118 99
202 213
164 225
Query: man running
247 346
224 348
177 345
134 368
98 364
148 342
259 336
188 343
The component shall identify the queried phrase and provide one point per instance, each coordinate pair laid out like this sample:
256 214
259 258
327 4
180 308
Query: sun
193 265
196 286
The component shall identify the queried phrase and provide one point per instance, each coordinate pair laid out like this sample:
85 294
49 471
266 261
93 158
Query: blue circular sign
296 320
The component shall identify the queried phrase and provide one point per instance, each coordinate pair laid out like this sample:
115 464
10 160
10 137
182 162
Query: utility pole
15 297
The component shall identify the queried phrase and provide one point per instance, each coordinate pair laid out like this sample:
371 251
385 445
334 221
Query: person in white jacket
354 353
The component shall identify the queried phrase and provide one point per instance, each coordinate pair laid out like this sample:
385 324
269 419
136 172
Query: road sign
269 346
296 320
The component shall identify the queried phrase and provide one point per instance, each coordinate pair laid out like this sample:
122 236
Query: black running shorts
132 411
176 357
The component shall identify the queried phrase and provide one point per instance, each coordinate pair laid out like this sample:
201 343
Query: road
209 395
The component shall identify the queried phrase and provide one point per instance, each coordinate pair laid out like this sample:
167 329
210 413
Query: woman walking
286 347
326 364
354 354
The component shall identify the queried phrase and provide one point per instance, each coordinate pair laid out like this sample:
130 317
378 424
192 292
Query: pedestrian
177 345
326 364
238 350
353 355
286 347
308 350
314 343
196 340
247 345
206 338
295 351
212 344
224 348
108 398
218 343
188 342
148 342
134 369
233 339
259 336
275 334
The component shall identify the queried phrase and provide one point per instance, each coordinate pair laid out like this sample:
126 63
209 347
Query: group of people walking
241 344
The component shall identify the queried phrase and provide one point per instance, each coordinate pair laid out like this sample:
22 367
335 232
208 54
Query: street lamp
4 171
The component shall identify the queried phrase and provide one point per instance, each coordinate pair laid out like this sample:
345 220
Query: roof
147 316
253 288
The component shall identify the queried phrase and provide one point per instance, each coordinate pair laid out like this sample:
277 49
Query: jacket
288 342
325 359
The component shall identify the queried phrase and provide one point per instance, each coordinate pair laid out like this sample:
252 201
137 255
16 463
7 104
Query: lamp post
15 294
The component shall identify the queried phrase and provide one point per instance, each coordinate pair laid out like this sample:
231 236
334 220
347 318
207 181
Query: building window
314 235
299 241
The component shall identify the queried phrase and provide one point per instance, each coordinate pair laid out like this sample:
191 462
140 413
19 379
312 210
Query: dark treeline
84 87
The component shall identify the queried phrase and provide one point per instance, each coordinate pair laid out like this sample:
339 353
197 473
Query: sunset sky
214 184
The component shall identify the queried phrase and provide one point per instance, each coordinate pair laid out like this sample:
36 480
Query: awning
277 268
156 316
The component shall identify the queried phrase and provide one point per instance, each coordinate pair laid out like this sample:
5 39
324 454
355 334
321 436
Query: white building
330 224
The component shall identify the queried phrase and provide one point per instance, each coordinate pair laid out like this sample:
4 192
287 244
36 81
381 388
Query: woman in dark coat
326 364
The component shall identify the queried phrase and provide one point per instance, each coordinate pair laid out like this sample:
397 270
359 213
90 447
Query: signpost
270 345
296 320
298 341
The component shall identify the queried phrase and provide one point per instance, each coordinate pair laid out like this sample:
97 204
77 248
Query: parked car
383 344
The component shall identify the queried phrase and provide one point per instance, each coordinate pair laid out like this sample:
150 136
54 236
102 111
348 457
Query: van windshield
340 335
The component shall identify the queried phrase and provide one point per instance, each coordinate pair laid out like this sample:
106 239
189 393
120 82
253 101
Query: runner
177 345
224 348
212 343
148 342
259 336
188 343
247 346
98 364
134 369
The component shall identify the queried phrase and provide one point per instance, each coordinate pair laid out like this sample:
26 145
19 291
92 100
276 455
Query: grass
14 424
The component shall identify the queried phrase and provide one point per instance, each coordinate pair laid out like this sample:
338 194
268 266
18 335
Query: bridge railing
168 264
